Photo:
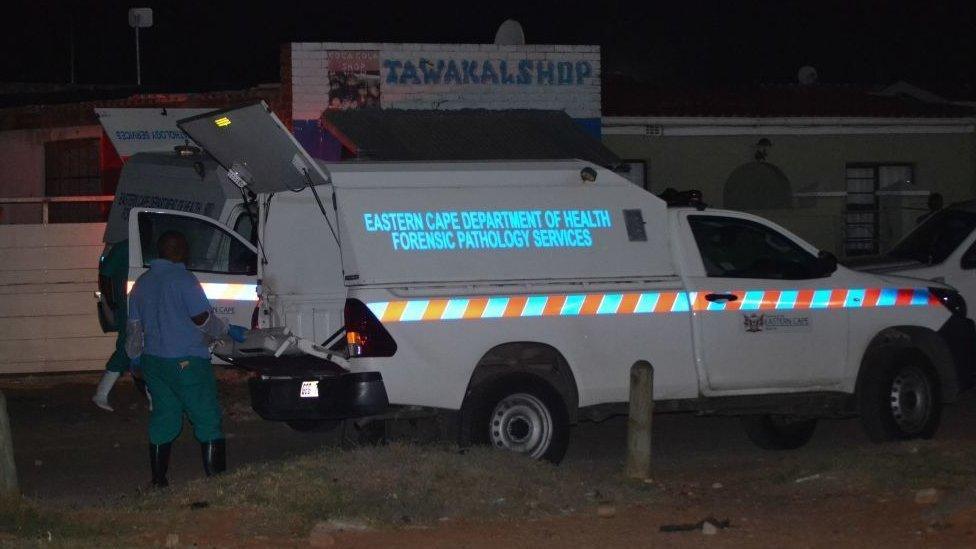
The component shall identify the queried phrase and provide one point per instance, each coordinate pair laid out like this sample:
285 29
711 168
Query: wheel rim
911 399
521 423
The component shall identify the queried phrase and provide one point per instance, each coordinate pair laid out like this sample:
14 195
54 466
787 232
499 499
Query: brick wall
453 76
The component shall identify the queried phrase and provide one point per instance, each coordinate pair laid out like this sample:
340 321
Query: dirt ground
840 490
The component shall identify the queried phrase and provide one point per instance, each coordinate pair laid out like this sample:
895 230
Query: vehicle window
245 227
212 249
936 238
737 248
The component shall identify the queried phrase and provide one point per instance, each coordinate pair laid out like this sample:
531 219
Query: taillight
365 335
254 317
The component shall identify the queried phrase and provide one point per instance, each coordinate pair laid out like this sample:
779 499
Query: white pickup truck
517 295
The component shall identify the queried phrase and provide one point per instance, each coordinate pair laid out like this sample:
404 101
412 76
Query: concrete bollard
640 421
8 468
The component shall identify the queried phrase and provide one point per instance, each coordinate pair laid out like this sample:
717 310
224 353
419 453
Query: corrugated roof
467 134
774 101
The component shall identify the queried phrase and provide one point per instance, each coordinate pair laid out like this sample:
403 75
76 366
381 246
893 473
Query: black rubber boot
159 463
214 456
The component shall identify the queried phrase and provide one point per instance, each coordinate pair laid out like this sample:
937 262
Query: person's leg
100 398
199 395
117 365
166 419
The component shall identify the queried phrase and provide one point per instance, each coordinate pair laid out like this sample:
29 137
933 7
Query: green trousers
179 385
119 361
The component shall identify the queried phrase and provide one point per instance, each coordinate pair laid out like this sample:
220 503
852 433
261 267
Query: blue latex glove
237 333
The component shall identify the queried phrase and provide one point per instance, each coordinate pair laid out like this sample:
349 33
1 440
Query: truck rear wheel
519 413
773 432
900 399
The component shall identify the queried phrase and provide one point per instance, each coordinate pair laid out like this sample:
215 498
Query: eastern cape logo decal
775 323
754 322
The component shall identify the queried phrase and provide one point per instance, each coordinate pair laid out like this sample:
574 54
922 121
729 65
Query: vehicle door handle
721 297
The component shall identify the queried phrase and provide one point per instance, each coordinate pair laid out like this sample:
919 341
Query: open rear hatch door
255 148
261 155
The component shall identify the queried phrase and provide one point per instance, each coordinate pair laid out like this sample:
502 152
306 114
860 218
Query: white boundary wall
48 320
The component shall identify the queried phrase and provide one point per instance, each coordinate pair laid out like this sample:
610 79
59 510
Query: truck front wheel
773 432
900 399
519 413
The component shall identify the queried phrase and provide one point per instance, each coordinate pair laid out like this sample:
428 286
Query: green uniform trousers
179 385
119 361
115 265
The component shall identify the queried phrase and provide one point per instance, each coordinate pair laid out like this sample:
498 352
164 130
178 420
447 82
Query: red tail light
365 335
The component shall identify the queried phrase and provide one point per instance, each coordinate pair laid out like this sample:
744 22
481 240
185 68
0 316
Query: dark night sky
205 43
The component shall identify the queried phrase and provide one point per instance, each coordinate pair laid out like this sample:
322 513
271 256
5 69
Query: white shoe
102 403
104 386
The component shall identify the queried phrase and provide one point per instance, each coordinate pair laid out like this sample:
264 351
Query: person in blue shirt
168 334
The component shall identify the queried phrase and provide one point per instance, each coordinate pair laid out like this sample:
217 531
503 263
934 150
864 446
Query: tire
519 413
772 432
313 425
900 397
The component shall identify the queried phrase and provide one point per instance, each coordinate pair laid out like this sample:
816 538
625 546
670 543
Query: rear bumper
348 395
959 333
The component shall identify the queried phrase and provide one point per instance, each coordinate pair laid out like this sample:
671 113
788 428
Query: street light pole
138 61
140 18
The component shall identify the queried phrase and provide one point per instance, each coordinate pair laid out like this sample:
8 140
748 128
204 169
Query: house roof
80 111
467 134
773 101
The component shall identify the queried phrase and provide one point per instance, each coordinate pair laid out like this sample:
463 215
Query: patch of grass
403 483
22 519
918 466
909 465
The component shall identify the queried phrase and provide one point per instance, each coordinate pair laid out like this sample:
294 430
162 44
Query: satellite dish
510 33
807 75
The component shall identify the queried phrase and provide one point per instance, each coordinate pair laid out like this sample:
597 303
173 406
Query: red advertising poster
354 79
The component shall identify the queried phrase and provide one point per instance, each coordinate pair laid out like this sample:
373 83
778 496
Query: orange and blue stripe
629 303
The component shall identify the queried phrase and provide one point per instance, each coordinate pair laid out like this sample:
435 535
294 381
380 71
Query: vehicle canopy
420 222
167 180
496 221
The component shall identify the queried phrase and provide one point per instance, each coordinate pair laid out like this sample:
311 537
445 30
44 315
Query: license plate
310 389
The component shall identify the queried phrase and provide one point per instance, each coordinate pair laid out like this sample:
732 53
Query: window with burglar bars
72 168
635 171
862 213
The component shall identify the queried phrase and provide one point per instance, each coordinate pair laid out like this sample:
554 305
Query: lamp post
140 18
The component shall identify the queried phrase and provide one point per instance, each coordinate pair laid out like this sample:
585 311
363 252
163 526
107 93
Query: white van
517 295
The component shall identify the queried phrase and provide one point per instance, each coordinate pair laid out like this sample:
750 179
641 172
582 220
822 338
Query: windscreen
936 238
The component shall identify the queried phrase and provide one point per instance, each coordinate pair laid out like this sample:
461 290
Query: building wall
944 163
438 76
22 158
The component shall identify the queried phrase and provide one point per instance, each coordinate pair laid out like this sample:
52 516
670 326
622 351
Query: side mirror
827 261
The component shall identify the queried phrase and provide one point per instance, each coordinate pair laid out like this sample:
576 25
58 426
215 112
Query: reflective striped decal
622 303
222 291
